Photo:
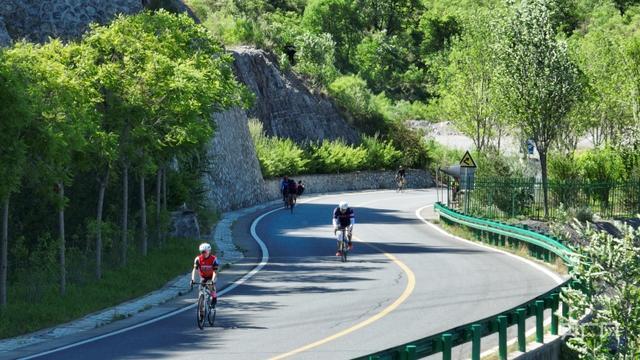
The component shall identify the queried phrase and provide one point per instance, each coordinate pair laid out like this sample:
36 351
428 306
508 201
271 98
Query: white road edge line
539 267
235 284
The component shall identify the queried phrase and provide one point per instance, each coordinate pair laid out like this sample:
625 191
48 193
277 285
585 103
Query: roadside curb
227 251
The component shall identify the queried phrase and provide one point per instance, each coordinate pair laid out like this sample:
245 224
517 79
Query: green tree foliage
353 96
608 271
338 18
539 82
314 58
137 93
469 92
163 75
17 114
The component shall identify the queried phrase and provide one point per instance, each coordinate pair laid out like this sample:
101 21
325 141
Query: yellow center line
411 284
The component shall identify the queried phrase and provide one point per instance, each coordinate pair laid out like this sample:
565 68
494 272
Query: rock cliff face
5 39
284 104
37 20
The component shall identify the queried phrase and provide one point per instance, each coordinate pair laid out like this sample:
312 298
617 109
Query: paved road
305 294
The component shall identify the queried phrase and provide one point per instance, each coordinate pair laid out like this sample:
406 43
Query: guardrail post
547 256
565 310
410 352
539 321
502 337
554 313
446 346
522 340
476 330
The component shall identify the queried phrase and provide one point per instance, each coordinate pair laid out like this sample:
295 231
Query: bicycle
204 310
291 202
343 243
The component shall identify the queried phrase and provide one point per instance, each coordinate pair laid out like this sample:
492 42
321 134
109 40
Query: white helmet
204 247
343 205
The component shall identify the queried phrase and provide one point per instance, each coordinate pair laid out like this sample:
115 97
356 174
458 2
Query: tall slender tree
16 113
539 82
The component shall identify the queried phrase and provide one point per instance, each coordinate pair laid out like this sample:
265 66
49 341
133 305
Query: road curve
306 304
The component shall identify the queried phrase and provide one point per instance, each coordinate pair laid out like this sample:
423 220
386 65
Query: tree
607 269
63 116
469 92
341 20
608 110
163 75
539 84
16 114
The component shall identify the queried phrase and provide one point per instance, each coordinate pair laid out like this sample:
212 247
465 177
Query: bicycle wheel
200 311
343 251
212 317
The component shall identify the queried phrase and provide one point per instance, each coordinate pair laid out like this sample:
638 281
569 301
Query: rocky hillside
37 20
284 104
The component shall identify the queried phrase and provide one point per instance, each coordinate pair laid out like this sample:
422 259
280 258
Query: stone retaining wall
361 180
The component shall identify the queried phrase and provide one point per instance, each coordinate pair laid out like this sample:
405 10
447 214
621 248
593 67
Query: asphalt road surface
404 280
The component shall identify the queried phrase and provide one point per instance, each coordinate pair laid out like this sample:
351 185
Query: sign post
468 167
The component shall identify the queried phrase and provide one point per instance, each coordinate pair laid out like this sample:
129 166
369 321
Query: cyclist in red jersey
207 265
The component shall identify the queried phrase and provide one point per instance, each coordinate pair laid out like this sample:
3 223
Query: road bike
205 311
290 202
343 243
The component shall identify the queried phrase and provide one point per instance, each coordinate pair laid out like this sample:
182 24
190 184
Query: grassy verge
558 266
142 275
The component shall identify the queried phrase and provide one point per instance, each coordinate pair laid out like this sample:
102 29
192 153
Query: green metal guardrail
542 247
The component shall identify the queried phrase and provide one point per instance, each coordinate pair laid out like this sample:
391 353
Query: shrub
277 156
352 95
442 156
380 154
562 167
336 157
607 271
601 167
412 145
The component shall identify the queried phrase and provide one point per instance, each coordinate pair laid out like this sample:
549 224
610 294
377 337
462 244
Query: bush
352 95
380 154
411 144
314 59
442 156
336 157
601 168
607 271
277 157
562 167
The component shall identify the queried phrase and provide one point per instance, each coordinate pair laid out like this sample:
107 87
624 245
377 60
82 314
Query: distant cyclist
207 265
400 178
300 188
344 218
284 188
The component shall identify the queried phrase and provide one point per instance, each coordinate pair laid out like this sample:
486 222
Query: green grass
142 275
522 251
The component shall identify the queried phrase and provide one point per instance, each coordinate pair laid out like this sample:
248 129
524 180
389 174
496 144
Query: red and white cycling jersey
206 265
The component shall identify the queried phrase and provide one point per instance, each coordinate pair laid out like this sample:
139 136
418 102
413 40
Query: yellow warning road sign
467 161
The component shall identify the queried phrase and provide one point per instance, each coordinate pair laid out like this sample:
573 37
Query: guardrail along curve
540 246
